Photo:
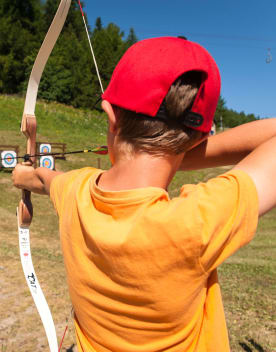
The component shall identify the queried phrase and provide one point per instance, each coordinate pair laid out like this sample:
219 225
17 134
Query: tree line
70 75
225 117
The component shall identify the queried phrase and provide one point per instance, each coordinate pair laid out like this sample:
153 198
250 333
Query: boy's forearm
231 146
34 180
260 165
44 179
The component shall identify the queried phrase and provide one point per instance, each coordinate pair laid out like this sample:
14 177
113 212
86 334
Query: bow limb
25 209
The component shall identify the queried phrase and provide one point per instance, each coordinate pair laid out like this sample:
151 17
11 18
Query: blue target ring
9 159
45 148
47 162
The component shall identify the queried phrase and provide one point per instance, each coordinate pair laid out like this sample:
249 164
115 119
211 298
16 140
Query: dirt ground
21 329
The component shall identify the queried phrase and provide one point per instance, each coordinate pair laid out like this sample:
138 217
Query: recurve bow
25 208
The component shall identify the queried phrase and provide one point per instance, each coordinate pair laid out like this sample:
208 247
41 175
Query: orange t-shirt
141 267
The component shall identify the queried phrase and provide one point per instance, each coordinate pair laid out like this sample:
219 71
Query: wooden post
99 163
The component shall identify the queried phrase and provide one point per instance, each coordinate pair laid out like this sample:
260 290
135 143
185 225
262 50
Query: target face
8 158
45 148
47 161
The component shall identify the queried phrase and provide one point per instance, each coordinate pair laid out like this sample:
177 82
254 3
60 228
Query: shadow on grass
247 348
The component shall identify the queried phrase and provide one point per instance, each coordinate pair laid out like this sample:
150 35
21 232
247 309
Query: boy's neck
143 170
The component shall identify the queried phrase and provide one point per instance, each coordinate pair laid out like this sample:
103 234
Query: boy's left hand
23 176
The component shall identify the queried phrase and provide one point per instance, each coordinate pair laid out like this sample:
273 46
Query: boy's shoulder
68 179
229 190
78 174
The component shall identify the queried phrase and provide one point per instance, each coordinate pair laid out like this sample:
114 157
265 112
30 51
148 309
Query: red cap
147 70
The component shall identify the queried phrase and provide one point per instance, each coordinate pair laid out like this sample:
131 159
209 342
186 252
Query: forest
70 76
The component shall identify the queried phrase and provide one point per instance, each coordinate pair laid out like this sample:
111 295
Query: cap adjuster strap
191 119
188 118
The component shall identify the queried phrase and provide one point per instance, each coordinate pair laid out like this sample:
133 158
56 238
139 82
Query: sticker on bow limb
45 148
47 161
9 158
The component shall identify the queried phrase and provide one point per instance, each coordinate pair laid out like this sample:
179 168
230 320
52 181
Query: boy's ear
108 108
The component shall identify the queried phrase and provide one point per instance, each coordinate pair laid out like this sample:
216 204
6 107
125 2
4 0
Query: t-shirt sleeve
227 212
63 186
59 188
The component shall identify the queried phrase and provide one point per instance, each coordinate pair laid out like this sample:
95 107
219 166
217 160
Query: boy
142 267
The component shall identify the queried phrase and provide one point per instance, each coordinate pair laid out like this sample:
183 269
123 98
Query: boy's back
141 267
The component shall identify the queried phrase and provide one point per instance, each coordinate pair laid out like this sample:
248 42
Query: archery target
8 158
47 161
45 148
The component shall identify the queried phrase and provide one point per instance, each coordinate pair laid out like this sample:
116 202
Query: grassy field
247 278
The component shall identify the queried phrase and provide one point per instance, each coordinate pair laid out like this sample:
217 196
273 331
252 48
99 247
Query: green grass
247 278
55 123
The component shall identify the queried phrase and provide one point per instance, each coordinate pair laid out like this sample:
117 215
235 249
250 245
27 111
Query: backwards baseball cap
145 73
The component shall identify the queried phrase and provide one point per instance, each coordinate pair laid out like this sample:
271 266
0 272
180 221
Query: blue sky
237 33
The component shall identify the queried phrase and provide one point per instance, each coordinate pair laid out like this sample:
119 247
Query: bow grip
25 210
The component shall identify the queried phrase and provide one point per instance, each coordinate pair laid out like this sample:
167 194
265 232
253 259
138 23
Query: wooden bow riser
25 208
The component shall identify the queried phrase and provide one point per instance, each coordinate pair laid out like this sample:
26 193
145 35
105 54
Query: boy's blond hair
141 133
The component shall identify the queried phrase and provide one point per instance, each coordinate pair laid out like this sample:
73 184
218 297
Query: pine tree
98 24
62 78
19 30
132 38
